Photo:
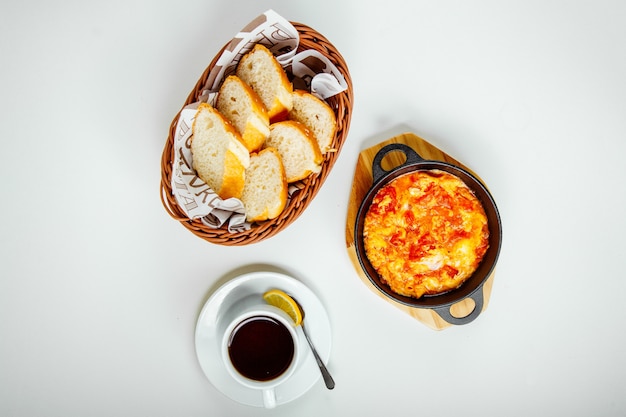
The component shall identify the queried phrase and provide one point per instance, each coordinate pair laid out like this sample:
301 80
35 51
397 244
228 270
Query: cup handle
477 296
269 398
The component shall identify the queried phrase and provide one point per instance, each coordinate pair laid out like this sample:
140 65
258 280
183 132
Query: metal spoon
328 380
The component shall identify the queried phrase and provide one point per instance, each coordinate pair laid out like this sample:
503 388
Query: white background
100 289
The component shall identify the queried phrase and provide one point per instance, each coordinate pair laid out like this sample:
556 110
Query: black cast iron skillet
471 288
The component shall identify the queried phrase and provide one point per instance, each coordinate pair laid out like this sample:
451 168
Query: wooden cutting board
361 184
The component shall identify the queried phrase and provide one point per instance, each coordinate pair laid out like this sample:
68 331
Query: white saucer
208 341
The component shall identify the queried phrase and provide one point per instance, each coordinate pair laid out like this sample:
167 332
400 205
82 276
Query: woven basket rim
308 188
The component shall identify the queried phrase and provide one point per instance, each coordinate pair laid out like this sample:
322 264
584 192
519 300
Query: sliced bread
297 147
265 191
261 71
244 109
219 157
316 115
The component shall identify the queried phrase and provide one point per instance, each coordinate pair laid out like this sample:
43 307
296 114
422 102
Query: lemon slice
282 300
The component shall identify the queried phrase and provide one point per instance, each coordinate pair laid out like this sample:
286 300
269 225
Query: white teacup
260 347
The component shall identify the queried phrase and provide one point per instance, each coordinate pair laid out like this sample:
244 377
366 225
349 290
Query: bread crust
242 106
317 116
219 156
271 84
290 136
234 177
265 193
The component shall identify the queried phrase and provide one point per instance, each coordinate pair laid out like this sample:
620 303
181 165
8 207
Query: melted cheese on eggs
425 233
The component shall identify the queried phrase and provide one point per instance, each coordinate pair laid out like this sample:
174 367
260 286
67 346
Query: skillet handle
477 296
411 158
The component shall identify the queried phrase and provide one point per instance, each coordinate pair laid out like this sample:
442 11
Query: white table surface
100 289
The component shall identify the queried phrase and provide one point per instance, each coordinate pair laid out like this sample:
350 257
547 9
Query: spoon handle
328 379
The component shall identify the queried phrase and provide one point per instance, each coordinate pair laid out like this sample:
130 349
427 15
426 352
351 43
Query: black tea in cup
261 348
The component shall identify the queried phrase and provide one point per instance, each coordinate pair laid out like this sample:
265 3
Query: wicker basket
308 188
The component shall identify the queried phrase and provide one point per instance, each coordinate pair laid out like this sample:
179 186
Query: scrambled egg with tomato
425 233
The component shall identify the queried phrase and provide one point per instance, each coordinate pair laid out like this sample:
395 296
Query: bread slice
261 71
316 115
244 109
265 192
297 147
219 157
